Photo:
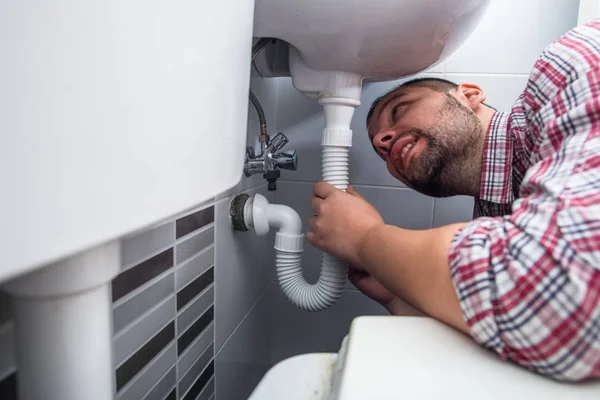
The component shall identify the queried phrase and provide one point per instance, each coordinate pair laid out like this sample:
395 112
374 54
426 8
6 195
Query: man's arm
414 266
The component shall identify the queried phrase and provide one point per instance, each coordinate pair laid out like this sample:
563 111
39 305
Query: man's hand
342 222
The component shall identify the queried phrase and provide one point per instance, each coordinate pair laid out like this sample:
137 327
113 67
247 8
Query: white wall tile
244 268
245 357
450 210
501 90
512 34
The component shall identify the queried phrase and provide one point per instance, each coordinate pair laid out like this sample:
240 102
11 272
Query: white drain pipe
289 240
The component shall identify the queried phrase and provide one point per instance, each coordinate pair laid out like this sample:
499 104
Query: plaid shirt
528 275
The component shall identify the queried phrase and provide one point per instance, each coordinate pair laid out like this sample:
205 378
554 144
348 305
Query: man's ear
470 94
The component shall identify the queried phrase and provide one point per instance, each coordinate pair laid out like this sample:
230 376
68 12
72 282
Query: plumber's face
418 132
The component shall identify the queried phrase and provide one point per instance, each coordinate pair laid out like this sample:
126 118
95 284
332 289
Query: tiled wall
163 312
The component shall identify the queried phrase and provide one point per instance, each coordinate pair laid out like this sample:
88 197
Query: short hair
437 84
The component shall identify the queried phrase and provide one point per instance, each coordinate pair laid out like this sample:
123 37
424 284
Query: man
524 278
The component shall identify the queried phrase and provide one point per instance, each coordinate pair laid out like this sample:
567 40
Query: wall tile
5 308
512 34
137 247
8 387
145 381
201 382
245 356
501 90
208 392
185 295
172 395
164 385
244 268
187 337
142 357
7 350
134 307
195 266
452 209
195 370
128 341
295 331
194 244
135 277
194 221
195 350
197 307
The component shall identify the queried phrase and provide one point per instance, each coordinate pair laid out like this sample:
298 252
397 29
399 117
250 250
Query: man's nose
383 141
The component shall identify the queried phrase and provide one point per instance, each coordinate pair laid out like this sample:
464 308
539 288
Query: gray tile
186 338
245 357
244 267
194 244
8 361
5 308
141 384
135 277
144 355
208 392
186 272
8 387
141 245
185 295
194 351
134 307
294 331
164 386
186 317
201 383
452 209
195 370
190 223
128 341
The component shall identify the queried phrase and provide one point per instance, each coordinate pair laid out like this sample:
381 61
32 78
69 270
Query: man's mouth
402 151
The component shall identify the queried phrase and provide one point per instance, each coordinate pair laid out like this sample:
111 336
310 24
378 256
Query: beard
454 146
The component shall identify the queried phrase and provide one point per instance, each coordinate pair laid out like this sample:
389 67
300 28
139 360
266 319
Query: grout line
123 331
135 292
195 233
187 350
193 300
147 257
175 305
244 317
141 372
160 379
194 362
205 385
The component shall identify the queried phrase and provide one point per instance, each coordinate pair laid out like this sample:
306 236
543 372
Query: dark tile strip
189 376
8 387
195 287
141 273
137 361
200 382
193 331
171 395
195 221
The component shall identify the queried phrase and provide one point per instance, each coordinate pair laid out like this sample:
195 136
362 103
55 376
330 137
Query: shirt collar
496 171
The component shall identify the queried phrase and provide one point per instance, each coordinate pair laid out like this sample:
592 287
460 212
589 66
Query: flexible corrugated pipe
336 143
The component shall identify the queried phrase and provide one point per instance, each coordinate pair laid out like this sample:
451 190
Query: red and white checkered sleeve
521 299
